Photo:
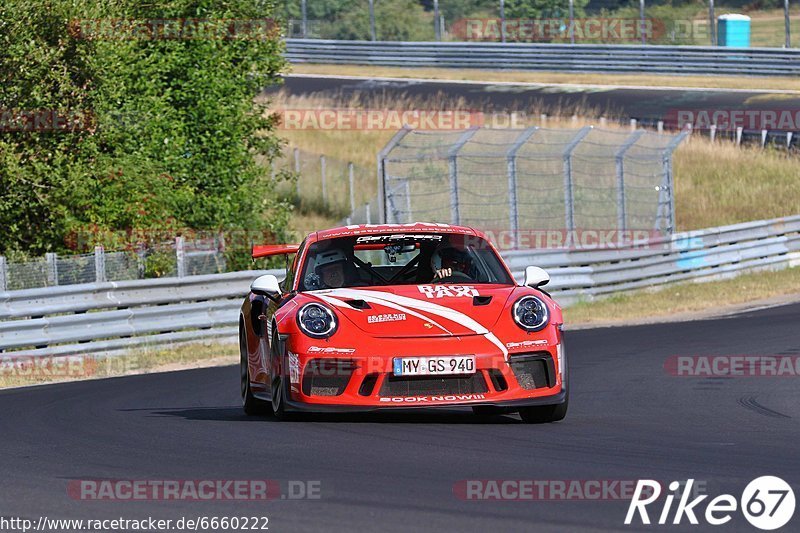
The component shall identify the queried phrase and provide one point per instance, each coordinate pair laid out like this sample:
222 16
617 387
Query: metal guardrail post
452 156
296 153
351 181
669 182
3 274
619 157
712 21
99 264
52 269
322 178
382 171
513 206
569 189
180 256
437 33
502 21
373 34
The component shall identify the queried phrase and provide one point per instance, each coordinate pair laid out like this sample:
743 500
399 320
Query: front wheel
542 414
252 406
277 382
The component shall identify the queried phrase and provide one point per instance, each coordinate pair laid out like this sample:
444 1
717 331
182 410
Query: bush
167 133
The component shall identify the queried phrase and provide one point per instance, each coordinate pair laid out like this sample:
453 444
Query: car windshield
400 259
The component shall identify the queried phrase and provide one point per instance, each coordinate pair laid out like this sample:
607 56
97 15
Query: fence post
502 21
99 264
712 131
3 274
660 126
141 261
382 171
739 130
668 186
572 21
763 138
569 200
180 256
712 19
455 215
436 29
789 136
513 204
372 33
322 178
52 269
351 181
619 157
788 41
304 23
642 23
368 216
297 169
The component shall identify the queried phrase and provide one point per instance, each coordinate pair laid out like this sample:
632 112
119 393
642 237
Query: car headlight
530 313
316 320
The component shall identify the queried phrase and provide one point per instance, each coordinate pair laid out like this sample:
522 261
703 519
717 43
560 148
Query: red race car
401 315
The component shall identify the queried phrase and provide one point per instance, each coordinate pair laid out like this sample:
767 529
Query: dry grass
718 184
644 80
138 361
666 302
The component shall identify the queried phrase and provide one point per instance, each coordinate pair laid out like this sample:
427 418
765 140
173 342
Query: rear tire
252 406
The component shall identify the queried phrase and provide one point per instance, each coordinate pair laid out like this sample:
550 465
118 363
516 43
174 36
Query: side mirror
536 277
266 285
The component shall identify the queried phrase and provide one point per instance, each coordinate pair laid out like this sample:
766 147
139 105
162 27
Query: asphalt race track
629 419
648 105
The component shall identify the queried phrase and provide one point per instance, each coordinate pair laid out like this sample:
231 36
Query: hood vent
358 304
481 300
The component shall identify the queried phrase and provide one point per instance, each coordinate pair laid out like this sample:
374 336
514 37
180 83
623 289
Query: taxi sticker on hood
448 291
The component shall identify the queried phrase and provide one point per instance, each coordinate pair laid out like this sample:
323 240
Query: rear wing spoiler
268 250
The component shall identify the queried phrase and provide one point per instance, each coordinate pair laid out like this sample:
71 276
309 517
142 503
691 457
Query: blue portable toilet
733 30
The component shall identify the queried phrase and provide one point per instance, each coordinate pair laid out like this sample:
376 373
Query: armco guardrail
689 256
115 316
552 57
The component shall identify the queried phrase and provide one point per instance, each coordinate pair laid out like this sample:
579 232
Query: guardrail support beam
99 264
513 205
569 188
619 158
455 215
3 274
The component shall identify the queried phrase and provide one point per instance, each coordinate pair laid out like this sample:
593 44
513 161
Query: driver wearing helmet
449 261
329 270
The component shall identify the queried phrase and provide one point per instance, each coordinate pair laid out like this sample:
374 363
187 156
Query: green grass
668 301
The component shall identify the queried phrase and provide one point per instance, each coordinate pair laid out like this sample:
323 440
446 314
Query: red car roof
369 229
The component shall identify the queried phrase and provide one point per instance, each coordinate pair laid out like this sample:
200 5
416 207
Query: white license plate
434 366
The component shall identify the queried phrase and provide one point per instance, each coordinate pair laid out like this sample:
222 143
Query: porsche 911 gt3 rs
401 315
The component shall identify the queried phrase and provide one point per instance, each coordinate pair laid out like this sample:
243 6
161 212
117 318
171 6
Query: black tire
278 384
542 414
252 406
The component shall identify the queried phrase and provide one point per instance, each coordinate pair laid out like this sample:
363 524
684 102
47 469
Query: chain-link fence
177 258
534 179
769 23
